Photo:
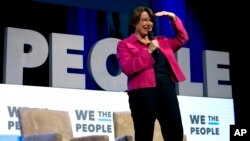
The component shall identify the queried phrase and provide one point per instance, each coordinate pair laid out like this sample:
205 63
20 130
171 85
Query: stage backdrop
73 45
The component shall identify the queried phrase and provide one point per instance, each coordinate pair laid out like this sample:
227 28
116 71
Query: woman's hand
171 15
153 45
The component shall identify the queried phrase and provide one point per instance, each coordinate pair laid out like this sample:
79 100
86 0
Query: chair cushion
91 138
51 136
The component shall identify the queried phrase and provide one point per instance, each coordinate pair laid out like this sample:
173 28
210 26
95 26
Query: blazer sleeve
181 36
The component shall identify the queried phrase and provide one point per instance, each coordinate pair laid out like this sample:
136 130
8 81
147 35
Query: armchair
50 125
124 130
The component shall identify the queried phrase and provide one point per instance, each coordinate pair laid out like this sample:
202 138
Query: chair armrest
124 138
51 136
91 138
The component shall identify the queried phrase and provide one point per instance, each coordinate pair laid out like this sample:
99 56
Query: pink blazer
138 64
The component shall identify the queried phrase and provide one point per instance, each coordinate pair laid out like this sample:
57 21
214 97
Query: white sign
204 119
15 60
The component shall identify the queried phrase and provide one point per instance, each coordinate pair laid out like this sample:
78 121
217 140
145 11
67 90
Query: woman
152 69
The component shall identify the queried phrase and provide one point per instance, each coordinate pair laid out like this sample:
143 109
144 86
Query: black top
161 63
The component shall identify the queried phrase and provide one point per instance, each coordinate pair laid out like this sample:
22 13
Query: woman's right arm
133 63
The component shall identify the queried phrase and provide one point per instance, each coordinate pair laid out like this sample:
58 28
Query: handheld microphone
151 37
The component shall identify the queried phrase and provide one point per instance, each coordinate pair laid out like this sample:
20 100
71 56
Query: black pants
160 103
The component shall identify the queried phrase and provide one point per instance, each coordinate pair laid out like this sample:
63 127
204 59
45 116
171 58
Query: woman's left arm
181 36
